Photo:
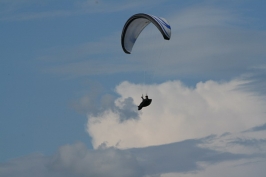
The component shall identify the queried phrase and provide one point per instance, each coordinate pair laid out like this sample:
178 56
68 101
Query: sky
69 93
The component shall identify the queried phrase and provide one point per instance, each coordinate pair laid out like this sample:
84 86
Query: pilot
145 102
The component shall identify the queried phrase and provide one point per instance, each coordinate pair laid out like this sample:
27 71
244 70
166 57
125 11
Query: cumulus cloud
180 157
74 160
239 168
80 161
194 157
246 151
179 112
94 105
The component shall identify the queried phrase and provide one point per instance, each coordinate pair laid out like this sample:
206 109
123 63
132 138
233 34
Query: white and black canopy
136 23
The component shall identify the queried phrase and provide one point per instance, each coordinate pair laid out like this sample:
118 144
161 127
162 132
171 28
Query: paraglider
145 102
131 31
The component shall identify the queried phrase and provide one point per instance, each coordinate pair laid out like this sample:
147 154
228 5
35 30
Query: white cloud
74 160
249 151
240 168
102 162
186 158
178 113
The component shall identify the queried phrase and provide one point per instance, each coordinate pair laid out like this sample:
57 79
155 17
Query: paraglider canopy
136 23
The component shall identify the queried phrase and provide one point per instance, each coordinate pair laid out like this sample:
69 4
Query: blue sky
68 92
